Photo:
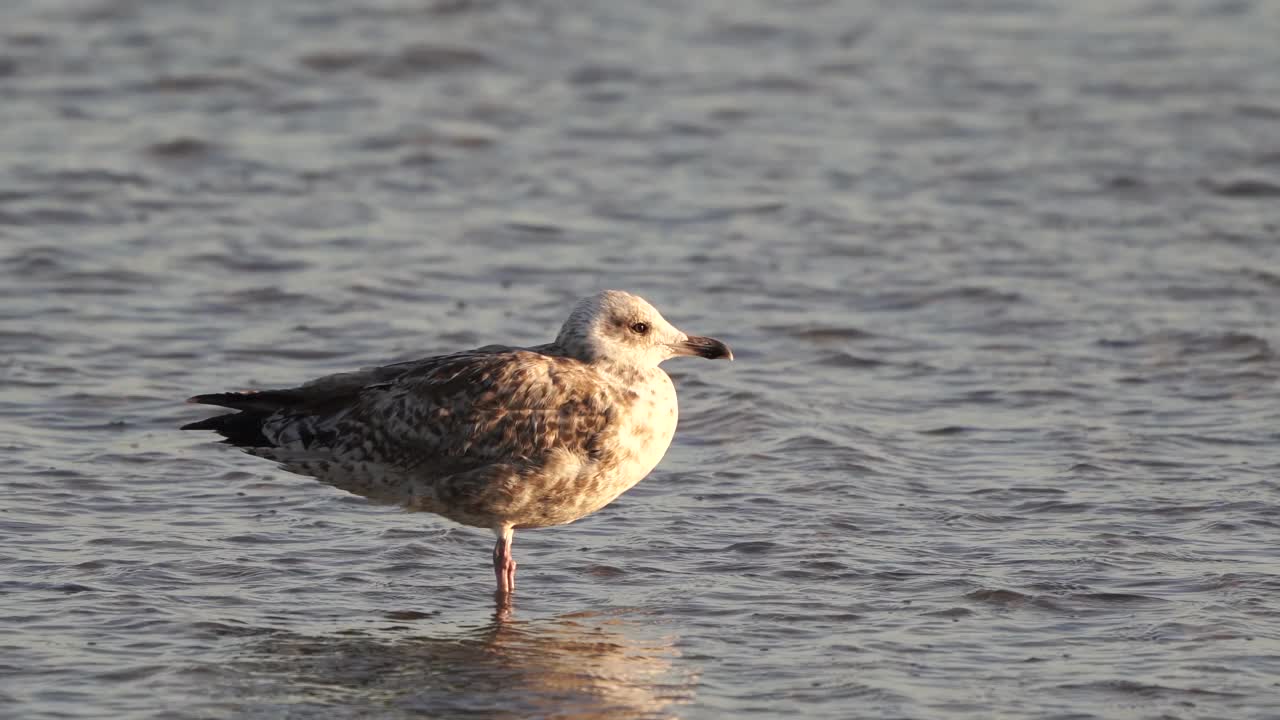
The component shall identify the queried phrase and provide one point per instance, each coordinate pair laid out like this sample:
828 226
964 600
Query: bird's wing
434 417
478 408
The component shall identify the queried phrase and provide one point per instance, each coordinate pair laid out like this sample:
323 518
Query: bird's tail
244 428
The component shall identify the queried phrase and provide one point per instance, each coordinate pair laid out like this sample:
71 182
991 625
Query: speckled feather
497 437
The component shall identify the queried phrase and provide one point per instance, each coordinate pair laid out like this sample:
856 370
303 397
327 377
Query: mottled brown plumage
497 437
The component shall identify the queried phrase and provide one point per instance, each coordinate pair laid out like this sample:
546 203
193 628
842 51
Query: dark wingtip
246 399
206 424
242 429
210 398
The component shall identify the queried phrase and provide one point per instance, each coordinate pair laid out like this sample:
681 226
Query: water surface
1002 280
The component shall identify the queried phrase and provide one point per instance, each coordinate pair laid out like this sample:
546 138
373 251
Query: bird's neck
625 372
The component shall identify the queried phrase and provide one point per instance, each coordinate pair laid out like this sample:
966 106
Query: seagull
498 437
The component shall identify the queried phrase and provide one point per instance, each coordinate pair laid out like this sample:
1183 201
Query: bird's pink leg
504 564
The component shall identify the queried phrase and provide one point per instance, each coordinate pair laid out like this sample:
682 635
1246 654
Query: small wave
949 430
1142 690
1115 598
1056 506
194 84
752 548
965 294
423 59
819 334
181 148
332 61
1242 188
841 359
1008 599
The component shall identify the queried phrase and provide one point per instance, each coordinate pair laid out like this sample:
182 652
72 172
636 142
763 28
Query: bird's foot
504 564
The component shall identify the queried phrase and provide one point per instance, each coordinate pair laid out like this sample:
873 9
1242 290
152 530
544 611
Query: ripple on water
999 439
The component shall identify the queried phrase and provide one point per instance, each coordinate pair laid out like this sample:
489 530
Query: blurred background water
1002 279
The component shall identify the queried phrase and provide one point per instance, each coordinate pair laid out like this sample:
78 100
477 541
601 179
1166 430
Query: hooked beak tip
705 347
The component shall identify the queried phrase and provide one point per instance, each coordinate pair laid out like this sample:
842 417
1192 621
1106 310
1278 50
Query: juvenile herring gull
498 437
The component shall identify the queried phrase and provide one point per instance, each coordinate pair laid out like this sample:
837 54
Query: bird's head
617 327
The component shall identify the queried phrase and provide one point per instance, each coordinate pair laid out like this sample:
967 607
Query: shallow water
1002 280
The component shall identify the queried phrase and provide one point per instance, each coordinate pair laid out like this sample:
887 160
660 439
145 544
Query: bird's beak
706 347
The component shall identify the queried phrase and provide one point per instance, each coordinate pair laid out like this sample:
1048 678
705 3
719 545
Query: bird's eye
639 328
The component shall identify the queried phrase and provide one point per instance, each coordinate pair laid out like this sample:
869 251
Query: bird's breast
643 421
647 419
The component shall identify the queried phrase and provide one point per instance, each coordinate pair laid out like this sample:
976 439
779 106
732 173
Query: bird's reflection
585 665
